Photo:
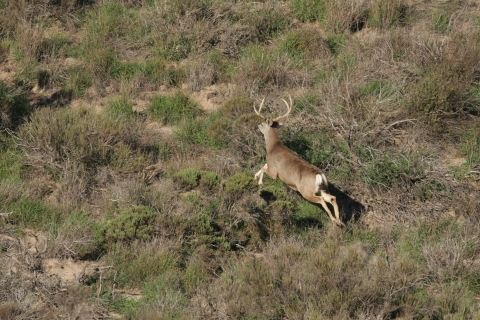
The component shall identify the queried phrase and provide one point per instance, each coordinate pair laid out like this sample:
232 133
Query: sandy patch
69 271
212 97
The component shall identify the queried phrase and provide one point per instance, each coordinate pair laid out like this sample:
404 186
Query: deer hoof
340 223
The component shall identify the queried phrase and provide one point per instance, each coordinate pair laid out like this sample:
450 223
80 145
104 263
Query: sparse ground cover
129 143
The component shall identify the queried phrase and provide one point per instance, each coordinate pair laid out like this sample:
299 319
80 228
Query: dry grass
108 157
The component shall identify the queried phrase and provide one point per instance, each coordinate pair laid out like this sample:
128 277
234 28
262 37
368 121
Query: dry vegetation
128 146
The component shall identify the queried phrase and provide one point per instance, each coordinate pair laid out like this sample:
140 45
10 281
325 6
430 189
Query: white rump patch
321 183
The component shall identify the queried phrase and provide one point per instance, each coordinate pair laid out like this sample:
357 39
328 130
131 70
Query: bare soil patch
212 97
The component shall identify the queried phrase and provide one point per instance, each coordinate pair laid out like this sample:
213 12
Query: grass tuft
14 106
173 109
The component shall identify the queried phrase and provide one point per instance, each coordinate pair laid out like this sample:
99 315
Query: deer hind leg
260 173
333 201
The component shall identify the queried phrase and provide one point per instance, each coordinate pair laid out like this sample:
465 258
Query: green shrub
165 150
308 103
201 224
173 109
276 189
202 228
222 66
119 303
344 15
428 189
189 178
240 183
218 130
210 180
4 49
131 224
111 20
249 121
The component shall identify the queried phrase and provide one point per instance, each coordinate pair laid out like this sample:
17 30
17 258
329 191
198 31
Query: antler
282 119
289 106
259 109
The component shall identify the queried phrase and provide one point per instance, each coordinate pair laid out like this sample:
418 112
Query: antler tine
289 106
259 109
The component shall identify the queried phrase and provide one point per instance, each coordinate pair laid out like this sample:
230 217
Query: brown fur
295 172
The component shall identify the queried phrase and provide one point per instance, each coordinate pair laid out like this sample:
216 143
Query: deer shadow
350 209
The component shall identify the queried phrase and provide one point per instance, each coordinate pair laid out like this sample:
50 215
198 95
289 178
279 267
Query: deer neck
271 139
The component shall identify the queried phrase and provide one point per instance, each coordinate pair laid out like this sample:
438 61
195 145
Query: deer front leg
260 173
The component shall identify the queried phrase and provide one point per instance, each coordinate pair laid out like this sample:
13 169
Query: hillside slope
129 145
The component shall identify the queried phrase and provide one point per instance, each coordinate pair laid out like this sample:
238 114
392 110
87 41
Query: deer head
273 123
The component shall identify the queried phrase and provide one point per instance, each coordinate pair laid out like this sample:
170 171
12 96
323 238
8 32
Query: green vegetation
131 224
214 131
470 147
309 10
129 145
191 178
173 109
384 14
239 183
14 106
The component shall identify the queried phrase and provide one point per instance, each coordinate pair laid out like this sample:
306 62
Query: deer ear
269 122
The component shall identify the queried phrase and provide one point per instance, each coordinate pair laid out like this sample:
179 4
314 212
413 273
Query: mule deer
295 172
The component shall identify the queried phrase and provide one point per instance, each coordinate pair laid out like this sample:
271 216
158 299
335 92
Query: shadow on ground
350 209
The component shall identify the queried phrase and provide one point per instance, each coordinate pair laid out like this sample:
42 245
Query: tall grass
107 157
